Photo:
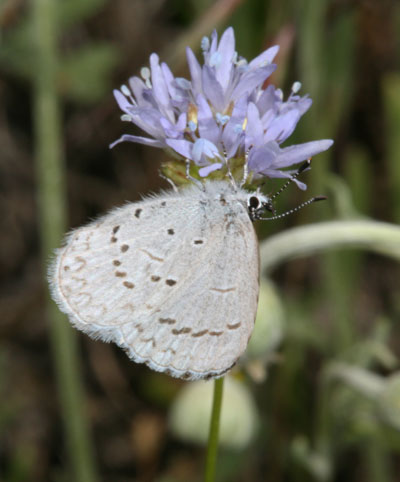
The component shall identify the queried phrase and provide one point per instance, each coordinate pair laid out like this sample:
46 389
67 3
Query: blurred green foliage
328 397
84 71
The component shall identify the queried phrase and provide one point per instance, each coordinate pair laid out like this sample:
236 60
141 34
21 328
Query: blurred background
317 396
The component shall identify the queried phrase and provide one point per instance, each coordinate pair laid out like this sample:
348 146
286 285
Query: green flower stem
212 446
52 214
383 238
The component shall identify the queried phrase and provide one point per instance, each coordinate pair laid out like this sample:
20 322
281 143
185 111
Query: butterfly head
257 204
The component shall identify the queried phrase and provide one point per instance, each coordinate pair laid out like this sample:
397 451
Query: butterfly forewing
173 280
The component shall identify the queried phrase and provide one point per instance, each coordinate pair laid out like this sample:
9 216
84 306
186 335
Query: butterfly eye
253 202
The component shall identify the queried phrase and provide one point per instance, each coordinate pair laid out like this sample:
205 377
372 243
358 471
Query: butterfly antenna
291 211
191 178
170 181
302 168
231 178
245 167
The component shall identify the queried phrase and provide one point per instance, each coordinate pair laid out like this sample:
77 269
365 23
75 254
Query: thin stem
212 446
52 214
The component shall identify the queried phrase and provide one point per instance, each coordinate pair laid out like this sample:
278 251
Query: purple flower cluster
222 113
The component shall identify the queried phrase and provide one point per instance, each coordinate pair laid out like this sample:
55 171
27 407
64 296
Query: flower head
221 114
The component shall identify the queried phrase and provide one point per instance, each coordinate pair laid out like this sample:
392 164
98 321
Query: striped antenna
291 211
302 168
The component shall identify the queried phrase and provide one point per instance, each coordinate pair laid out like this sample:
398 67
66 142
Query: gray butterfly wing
176 289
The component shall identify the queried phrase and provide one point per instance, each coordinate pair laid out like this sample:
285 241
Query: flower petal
205 171
282 126
267 100
174 130
195 71
233 132
254 129
262 158
181 146
204 149
138 88
301 152
175 93
123 102
274 173
265 58
212 89
251 80
148 120
226 49
208 128
140 140
160 89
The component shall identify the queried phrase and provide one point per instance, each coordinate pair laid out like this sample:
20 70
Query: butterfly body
172 279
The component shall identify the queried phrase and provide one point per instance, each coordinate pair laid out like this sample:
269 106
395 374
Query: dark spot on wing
215 333
168 321
170 282
128 284
66 268
163 204
137 212
113 239
120 274
116 262
234 326
124 248
199 333
155 278
115 229
181 331
198 241
171 231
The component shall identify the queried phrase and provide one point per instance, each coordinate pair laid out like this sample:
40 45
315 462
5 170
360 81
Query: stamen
146 74
242 64
192 126
192 114
221 119
296 87
125 90
205 44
